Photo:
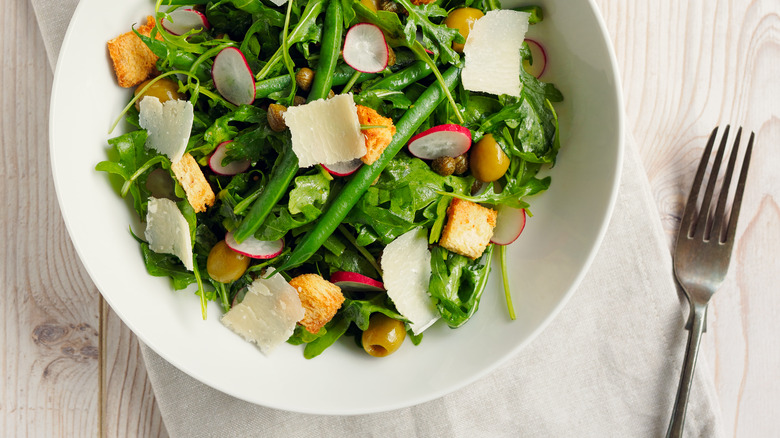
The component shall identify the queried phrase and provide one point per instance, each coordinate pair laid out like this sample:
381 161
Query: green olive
462 19
487 160
164 89
225 265
371 4
383 336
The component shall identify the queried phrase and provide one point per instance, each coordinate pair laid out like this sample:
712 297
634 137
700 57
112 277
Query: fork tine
700 225
688 222
719 216
732 227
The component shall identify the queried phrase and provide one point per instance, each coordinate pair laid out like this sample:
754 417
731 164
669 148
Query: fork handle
696 329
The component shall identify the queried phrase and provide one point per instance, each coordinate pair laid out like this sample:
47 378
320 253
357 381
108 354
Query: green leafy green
457 283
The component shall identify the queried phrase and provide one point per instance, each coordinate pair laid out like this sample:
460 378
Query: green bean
330 46
281 175
286 166
364 177
341 76
399 80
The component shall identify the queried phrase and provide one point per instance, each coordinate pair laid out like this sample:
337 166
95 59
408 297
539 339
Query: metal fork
703 251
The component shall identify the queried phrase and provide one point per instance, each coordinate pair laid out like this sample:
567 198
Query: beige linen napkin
608 365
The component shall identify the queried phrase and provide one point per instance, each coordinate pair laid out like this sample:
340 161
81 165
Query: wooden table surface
71 368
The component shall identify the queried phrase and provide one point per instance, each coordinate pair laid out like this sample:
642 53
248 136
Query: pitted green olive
462 19
383 336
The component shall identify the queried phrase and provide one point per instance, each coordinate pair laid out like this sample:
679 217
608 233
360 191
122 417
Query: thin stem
361 249
419 50
505 276
351 82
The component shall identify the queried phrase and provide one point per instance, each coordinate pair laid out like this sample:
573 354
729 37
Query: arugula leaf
457 283
359 311
437 38
166 265
131 155
405 197
334 330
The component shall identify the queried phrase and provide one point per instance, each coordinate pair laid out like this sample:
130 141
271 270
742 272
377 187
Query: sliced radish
354 282
343 168
441 141
233 77
256 249
365 48
232 168
509 224
539 56
184 20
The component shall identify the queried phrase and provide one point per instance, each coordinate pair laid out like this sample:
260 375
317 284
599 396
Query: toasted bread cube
190 176
469 228
320 298
133 61
377 139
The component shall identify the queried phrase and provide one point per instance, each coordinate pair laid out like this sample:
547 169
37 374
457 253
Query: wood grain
686 67
51 310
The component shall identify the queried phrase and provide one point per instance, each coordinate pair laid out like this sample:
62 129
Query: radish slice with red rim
539 57
510 222
448 140
365 48
233 77
232 168
354 282
343 168
184 20
254 248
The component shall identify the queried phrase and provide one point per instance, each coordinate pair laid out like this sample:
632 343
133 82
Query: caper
391 6
276 117
461 164
462 19
383 336
488 162
163 89
390 56
444 166
304 77
225 265
298 100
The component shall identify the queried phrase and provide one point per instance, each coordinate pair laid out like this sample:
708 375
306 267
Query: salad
333 168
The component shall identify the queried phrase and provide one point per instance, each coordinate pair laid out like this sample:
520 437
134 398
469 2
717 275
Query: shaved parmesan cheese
268 314
169 125
406 263
325 131
167 231
492 52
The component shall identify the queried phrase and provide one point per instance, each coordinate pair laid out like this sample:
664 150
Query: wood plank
51 311
686 67
50 317
129 406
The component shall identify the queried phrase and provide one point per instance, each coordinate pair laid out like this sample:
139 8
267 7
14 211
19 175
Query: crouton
377 139
133 61
320 298
469 228
199 192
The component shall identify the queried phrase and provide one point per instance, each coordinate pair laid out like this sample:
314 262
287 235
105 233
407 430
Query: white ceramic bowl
548 260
